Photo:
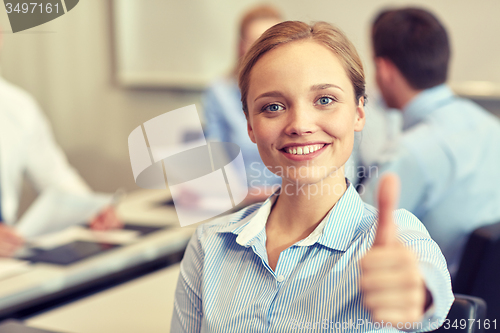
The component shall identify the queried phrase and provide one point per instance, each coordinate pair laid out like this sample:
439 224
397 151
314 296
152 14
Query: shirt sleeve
413 180
46 164
422 165
188 312
214 121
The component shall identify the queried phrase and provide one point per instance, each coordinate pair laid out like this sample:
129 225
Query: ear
359 121
250 130
386 70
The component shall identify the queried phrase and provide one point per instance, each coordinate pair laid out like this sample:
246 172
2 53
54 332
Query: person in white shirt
27 147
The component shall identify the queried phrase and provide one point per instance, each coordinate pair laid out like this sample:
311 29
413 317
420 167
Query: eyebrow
269 94
324 86
315 87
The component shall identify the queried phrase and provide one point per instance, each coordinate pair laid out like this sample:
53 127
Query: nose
300 121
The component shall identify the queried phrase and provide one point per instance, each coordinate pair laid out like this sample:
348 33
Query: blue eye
273 108
325 100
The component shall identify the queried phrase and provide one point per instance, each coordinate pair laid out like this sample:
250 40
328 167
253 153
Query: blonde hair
260 12
320 32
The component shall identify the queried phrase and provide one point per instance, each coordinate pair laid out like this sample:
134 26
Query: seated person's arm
10 241
106 219
215 125
410 173
47 166
423 166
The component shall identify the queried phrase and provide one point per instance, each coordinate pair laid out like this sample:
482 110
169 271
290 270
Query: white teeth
305 149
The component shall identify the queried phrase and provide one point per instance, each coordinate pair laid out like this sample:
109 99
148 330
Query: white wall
67 64
203 34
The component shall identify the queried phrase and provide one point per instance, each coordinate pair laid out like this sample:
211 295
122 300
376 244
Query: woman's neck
300 208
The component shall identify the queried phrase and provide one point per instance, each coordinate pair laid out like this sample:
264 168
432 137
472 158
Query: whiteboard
188 43
175 43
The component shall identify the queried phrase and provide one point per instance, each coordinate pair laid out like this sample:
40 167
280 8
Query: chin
302 181
314 175
312 186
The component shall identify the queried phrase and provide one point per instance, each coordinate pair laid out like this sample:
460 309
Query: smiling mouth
303 150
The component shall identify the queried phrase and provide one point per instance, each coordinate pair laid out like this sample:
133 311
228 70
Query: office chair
479 271
467 314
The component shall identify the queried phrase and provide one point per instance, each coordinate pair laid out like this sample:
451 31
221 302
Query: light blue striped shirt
448 160
226 284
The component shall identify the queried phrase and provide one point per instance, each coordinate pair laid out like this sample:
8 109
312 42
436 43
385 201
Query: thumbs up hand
393 288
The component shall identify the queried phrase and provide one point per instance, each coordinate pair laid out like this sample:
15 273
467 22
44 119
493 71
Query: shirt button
280 278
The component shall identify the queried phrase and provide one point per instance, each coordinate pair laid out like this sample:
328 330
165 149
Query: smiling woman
313 255
303 114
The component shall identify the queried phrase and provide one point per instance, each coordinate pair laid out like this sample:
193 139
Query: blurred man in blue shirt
448 155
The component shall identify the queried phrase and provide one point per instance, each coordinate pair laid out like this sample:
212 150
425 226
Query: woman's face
302 112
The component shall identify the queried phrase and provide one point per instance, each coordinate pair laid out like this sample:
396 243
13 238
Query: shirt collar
335 231
250 228
424 103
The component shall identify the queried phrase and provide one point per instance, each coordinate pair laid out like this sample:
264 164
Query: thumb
388 196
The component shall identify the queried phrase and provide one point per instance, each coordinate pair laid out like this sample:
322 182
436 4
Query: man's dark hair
416 42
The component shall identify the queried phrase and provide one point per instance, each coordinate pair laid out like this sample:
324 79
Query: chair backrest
479 271
467 314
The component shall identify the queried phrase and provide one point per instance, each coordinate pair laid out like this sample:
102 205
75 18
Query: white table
43 280
143 206
142 305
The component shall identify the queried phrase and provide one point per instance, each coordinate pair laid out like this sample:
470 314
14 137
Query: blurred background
107 66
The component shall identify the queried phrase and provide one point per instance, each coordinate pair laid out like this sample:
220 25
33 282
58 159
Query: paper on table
55 210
